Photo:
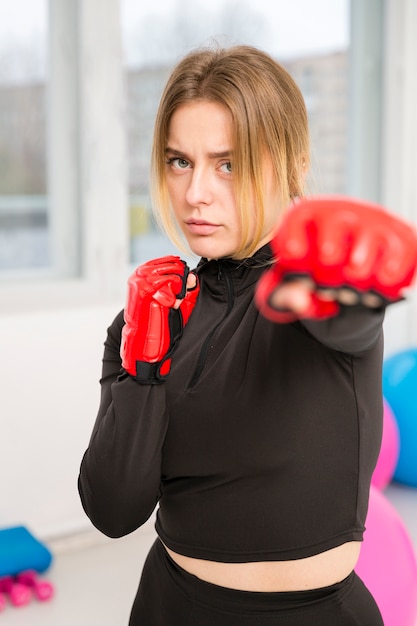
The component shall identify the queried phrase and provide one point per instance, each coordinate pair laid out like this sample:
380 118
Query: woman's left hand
332 251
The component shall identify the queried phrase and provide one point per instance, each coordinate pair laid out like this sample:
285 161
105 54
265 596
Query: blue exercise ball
400 390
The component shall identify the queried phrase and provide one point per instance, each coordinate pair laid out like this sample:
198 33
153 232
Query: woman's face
199 174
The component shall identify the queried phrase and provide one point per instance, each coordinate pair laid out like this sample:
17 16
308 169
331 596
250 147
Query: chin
211 252
210 249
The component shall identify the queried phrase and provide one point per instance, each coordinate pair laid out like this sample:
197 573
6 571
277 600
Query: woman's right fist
158 306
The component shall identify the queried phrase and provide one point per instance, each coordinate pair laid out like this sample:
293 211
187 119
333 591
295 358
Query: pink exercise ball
387 563
390 450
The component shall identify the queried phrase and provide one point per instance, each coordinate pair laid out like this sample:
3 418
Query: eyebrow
212 155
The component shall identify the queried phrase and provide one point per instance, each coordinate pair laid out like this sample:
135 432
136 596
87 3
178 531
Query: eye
226 168
178 163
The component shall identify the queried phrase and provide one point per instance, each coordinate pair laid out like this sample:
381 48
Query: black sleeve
355 330
119 479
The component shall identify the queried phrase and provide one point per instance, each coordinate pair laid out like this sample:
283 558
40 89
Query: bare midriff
313 572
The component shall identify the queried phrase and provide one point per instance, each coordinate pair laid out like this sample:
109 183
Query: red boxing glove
152 326
339 243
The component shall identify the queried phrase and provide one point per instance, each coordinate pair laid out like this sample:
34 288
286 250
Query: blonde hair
269 118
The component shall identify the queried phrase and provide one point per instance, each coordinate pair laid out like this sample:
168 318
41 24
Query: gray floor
96 578
95 581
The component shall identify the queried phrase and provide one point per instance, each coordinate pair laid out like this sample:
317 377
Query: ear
304 166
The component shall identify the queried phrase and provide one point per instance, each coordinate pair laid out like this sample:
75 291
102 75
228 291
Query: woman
256 432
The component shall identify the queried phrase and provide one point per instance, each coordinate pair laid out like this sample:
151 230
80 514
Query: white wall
49 389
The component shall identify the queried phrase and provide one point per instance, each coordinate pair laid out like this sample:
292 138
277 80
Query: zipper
222 274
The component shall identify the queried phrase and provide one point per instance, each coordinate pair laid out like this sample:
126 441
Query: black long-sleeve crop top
262 442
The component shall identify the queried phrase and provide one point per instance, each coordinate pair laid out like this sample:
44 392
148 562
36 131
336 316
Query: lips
201 227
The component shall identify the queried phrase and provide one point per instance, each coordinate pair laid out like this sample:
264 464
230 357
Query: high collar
260 258
243 272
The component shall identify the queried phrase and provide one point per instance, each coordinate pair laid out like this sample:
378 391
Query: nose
199 189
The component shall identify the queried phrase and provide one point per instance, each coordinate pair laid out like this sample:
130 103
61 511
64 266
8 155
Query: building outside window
24 243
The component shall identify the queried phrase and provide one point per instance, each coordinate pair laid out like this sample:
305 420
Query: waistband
233 599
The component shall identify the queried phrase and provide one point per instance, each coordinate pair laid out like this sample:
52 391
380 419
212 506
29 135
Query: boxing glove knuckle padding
339 243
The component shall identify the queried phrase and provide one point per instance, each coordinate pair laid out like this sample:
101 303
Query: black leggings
170 596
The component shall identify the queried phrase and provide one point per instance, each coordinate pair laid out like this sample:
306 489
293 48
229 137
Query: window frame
87 165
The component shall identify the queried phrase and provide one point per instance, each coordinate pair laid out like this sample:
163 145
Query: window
78 98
